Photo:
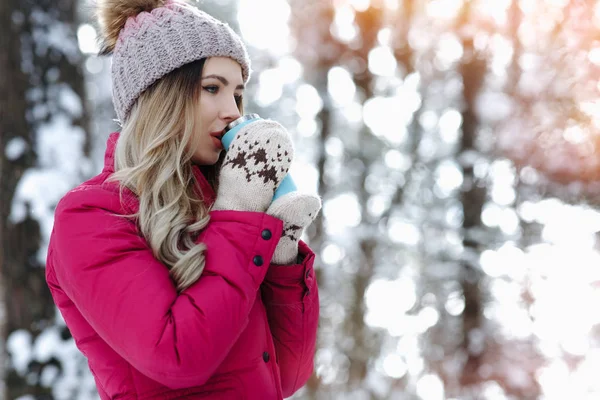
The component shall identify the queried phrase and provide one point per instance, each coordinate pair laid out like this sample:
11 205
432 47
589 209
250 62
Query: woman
175 271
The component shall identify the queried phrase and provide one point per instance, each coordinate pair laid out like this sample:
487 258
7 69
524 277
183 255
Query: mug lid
241 119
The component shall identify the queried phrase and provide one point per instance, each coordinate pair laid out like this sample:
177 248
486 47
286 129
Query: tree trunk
13 130
473 196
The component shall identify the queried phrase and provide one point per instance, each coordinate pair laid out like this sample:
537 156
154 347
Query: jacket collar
202 185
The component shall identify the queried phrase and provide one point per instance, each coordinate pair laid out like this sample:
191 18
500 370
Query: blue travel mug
287 185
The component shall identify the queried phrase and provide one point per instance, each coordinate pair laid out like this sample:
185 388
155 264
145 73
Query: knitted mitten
258 159
297 211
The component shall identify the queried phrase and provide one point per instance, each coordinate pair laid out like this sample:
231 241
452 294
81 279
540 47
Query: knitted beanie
166 36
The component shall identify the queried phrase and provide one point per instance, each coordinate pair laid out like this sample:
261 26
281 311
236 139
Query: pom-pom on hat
150 38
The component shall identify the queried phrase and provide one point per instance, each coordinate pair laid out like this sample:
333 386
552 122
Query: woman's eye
211 89
238 99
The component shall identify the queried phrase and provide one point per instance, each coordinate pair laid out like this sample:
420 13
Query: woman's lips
217 142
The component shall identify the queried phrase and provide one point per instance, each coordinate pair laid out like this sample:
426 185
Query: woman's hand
297 211
258 159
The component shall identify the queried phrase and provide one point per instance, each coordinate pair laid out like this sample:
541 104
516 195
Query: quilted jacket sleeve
127 296
291 297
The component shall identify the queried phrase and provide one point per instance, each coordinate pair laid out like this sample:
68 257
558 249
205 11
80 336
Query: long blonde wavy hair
153 159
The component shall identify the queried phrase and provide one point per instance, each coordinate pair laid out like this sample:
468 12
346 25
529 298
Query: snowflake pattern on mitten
258 159
251 156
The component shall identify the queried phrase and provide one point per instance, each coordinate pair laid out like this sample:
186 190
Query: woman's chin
206 159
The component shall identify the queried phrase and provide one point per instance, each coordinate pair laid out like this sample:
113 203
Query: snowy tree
44 141
444 125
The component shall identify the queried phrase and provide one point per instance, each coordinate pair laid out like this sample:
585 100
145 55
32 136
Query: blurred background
455 144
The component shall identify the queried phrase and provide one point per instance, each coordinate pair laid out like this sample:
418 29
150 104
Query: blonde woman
176 272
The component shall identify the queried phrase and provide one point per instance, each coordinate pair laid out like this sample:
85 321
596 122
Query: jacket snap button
266 234
266 357
257 260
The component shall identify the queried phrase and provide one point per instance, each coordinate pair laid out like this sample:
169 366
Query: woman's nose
230 111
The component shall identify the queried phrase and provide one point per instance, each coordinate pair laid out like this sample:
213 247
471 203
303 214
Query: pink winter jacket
245 330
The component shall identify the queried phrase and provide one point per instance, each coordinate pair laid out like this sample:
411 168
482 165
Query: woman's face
221 90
